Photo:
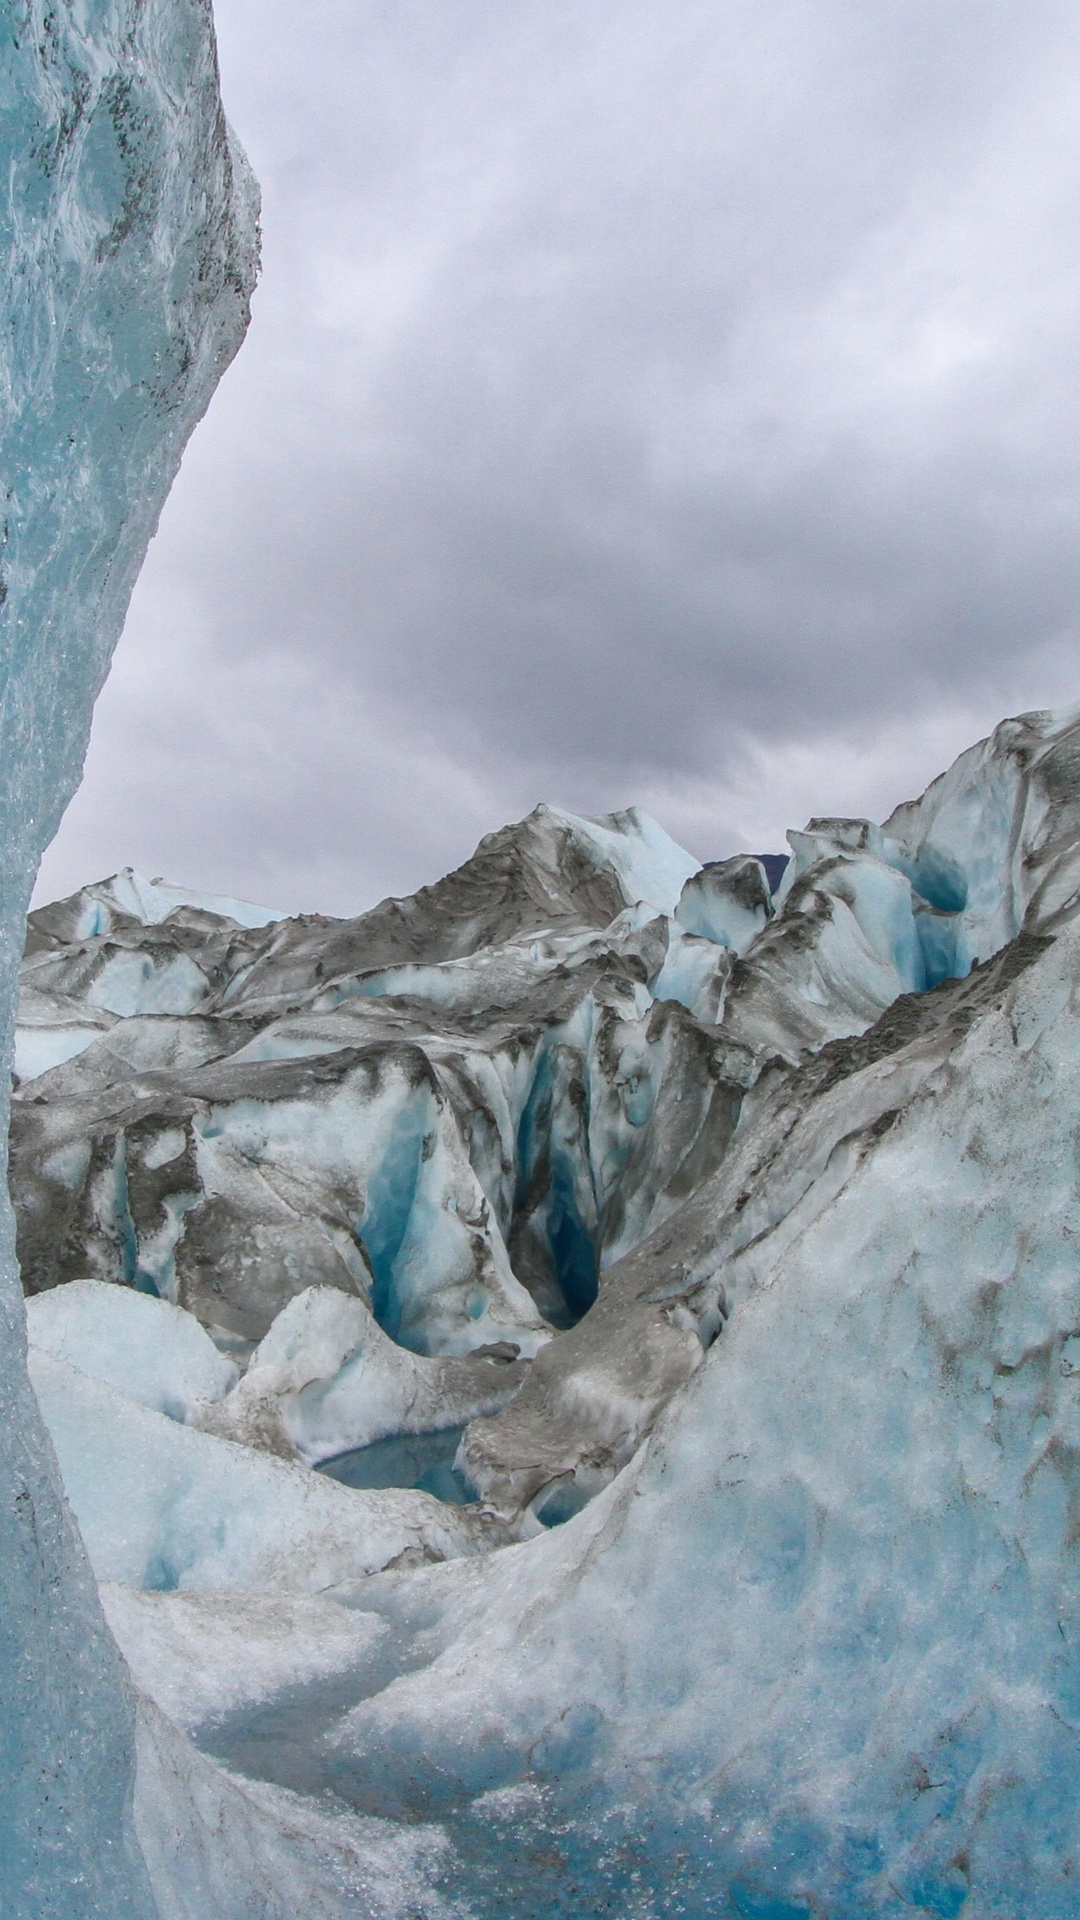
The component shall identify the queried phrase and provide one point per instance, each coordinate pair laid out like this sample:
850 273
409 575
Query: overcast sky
663 403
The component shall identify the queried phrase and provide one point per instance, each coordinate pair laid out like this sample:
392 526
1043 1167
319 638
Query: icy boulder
128 236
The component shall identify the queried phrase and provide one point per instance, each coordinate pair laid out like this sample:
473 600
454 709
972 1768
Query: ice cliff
128 243
675 1275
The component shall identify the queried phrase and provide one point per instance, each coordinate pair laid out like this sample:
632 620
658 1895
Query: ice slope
552 871
127 238
161 1505
652 868
992 844
223 1848
816 1650
200 1653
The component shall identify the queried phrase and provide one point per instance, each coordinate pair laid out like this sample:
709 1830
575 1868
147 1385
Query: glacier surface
728 1214
732 1230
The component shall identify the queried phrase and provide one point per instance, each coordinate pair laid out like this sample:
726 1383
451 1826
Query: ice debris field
559 1396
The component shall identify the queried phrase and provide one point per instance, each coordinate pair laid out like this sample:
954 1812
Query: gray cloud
667 404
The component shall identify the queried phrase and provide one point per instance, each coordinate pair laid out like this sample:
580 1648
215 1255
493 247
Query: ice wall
128 234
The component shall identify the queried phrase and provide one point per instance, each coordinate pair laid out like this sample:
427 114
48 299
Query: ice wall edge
129 235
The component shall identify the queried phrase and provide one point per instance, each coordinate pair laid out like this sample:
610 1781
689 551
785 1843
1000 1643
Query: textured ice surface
200 1654
770 1608
153 1352
815 1650
223 1848
127 895
727 901
466 1176
127 237
326 1379
161 1505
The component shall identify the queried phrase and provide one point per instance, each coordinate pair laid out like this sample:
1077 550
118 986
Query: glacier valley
570 1381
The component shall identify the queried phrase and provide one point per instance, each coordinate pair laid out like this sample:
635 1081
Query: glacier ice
734 1224
128 246
849 1676
202 1652
726 901
128 896
154 1352
733 1231
327 1380
162 1505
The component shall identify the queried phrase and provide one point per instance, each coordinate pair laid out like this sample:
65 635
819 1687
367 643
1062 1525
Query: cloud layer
674 405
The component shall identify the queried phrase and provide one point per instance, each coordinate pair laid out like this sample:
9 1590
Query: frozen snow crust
738 1231
128 237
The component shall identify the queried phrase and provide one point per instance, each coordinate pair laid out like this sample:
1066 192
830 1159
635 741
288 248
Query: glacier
724 1226
720 1221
